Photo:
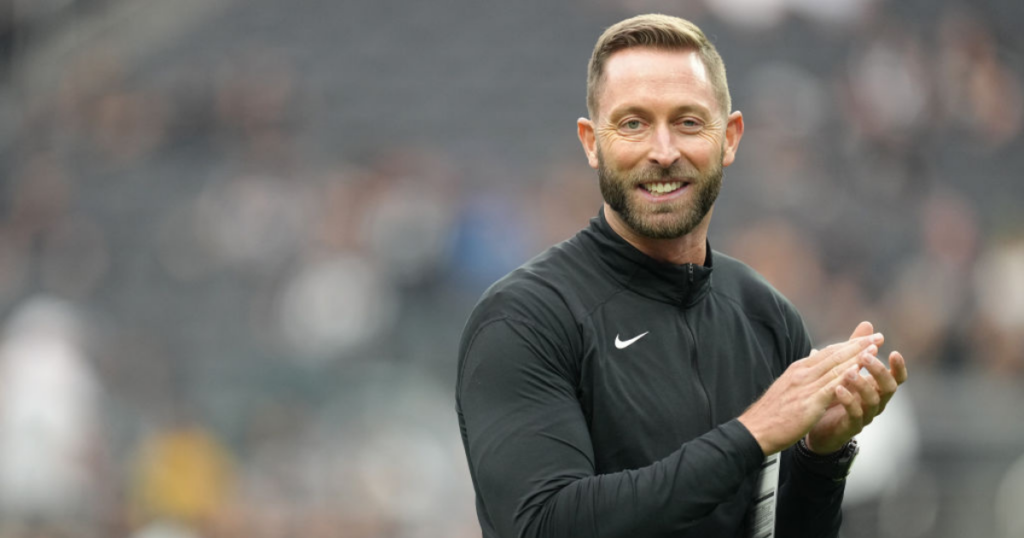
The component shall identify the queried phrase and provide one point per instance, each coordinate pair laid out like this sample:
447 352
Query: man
633 382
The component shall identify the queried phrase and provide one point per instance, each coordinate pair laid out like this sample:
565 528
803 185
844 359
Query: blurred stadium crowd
236 254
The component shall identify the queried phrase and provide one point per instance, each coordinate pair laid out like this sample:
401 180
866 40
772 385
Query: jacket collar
678 284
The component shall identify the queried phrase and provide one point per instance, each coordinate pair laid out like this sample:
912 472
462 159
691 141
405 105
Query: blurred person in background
608 387
183 477
49 419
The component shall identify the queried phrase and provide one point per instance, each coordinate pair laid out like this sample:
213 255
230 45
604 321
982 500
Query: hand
798 399
858 402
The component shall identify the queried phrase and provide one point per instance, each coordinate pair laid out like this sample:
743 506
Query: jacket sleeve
809 505
532 461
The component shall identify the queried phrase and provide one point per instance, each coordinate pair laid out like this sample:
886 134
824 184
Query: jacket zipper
696 369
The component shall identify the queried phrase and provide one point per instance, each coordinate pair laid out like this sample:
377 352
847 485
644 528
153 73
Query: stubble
668 220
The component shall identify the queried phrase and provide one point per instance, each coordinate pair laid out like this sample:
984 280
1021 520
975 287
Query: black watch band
834 466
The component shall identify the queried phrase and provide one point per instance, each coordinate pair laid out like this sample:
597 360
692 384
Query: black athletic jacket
598 391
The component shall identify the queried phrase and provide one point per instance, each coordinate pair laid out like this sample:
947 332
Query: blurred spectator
331 306
887 80
977 90
252 223
929 301
49 416
407 224
183 474
492 236
998 336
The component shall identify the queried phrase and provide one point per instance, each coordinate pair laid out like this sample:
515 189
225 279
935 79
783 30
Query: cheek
702 151
622 154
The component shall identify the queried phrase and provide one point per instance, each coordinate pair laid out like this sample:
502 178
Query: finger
835 355
883 377
828 390
839 369
898 366
867 395
868 378
853 409
898 372
864 328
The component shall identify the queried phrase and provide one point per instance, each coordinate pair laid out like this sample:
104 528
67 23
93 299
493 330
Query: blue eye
632 124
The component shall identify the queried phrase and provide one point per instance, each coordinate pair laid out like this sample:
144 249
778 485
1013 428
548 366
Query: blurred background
239 240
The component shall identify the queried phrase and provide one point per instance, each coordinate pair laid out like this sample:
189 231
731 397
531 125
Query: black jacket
575 425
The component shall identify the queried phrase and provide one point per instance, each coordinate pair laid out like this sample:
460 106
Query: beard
666 220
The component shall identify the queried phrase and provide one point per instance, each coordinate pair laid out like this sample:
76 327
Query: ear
733 134
585 130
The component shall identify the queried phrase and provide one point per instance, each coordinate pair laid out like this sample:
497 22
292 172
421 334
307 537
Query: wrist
759 434
834 465
820 448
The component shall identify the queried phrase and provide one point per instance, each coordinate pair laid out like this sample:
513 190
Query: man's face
660 141
654 215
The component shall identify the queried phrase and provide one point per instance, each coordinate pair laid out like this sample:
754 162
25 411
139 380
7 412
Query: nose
664 151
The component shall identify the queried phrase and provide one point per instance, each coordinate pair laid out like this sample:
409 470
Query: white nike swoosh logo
623 345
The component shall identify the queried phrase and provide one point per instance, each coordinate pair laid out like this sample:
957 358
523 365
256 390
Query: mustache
655 173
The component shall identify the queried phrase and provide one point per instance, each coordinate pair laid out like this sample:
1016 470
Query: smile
662 188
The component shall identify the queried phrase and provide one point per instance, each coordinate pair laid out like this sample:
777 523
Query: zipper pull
690 267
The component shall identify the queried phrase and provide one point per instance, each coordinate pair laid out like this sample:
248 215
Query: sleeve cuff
808 482
738 435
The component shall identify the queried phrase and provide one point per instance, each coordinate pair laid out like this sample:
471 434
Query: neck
690 248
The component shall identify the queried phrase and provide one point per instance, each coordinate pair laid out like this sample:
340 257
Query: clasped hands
824 398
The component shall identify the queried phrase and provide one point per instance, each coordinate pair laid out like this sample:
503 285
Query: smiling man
633 382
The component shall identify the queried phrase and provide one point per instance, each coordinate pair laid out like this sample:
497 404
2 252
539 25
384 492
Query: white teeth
662 188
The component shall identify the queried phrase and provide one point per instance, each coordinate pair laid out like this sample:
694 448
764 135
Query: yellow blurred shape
184 474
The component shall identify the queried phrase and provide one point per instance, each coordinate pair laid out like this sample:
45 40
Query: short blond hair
659 32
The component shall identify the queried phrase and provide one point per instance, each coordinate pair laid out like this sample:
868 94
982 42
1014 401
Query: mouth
662 190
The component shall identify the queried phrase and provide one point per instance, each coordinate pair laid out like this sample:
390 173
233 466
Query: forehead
643 75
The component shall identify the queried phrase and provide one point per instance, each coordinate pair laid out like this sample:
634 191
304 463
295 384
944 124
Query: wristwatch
834 466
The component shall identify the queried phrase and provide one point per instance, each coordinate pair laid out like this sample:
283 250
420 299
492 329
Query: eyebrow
641 111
